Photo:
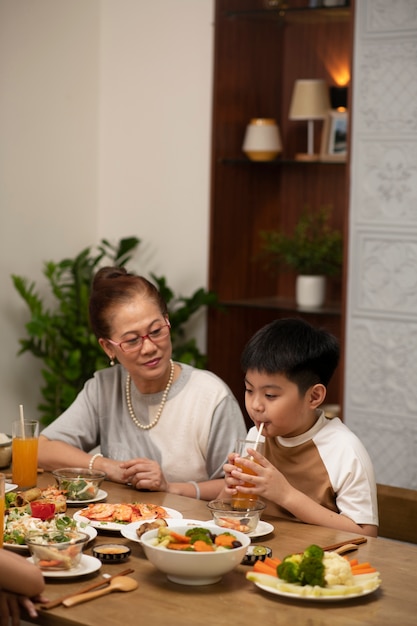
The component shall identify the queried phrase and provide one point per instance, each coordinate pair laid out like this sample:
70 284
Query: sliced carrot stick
261 568
361 565
363 570
178 546
272 562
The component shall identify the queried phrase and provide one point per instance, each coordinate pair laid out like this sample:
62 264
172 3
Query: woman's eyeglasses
136 343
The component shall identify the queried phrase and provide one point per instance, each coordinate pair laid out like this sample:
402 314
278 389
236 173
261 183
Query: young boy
314 469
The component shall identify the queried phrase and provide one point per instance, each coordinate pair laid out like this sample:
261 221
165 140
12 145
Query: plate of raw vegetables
315 576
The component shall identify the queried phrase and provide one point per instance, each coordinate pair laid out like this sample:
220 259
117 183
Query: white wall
105 112
381 369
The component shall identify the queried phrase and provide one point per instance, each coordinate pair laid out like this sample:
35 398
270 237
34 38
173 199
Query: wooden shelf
284 304
259 53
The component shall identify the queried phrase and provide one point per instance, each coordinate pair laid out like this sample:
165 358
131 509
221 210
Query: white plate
9 487
117 526
89 530
88 564
129 531
311 598
101 495
262 529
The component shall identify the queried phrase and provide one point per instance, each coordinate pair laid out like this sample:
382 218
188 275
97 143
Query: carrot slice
224 540
261 568
202 546
179 538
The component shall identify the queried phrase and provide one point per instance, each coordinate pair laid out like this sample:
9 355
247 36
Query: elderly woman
161 425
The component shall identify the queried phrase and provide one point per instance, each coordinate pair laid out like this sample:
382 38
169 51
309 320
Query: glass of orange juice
2 482
241 500
25 435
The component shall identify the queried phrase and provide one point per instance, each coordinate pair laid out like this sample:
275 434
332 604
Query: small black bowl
256 553
111 552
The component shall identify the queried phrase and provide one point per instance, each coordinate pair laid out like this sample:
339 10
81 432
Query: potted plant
60 334
314 251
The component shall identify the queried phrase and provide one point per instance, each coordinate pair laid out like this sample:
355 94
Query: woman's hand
144 473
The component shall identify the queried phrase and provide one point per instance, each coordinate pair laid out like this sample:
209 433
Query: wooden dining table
234 600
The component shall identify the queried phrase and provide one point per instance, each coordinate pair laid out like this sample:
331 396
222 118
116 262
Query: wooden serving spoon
348 547
119 583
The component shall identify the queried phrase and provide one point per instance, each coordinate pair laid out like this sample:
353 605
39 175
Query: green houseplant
314 251
61 337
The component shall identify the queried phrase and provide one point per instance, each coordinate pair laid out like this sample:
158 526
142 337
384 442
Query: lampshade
310 101
262 141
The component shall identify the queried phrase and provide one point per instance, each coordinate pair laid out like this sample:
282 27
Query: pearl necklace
161 406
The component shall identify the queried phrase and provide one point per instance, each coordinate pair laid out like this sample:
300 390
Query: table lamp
310 101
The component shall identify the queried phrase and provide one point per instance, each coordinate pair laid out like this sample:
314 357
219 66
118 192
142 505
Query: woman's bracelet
93 458
197 489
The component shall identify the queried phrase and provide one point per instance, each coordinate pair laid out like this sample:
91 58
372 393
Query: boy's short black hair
304 354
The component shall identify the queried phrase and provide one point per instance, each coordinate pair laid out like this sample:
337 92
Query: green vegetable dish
79 489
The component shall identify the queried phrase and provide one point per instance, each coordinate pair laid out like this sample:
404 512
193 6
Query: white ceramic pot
310 291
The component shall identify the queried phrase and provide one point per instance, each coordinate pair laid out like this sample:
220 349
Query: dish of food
101 495
20 500
87 565
114 517
363 586
316 575
18 525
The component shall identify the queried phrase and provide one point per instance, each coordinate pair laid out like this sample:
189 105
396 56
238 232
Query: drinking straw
258 436
22 420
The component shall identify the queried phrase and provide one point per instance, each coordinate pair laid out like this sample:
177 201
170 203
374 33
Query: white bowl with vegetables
79 484
194 563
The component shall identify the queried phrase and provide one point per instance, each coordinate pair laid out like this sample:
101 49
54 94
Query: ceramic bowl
237 514
112 552
79 483
50 553
194 568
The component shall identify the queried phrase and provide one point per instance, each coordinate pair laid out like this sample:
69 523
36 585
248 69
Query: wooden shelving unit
260 50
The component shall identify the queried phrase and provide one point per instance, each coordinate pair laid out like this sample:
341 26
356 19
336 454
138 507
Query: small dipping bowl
112 552
242 515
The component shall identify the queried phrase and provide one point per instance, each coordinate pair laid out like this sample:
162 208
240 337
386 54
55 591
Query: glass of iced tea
25 435
240 500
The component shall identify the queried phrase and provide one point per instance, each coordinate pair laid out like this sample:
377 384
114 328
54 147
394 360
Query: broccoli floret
314 551
200 534
305 569
312 571
289 568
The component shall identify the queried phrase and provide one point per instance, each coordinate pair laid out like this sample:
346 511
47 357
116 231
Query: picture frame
334 137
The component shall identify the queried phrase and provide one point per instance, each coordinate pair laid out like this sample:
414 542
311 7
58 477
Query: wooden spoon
348 547
119 583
